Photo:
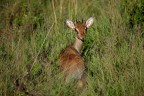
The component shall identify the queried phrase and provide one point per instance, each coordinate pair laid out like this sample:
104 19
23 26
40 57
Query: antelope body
71 63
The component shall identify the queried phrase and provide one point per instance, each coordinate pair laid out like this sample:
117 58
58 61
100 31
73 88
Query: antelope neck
78 44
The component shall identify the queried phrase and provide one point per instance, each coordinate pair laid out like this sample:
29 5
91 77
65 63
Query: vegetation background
33 32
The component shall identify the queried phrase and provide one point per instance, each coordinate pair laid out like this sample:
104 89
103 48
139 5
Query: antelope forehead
80 25
80 31
80 28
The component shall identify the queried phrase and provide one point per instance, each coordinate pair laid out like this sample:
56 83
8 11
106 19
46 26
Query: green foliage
134 11
33 33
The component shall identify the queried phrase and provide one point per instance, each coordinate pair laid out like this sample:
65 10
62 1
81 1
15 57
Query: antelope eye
86 29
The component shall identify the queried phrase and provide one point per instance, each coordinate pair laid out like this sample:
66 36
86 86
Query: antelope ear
70 24
89 22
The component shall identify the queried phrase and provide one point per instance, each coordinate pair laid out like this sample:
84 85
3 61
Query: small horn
82 20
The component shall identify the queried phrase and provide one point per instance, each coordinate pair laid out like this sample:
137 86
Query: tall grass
32 34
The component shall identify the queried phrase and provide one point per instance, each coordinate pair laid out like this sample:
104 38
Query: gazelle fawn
70 60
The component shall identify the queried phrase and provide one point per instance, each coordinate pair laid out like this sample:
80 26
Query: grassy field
33 33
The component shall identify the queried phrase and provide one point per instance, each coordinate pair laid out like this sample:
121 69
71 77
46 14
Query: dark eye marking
86 29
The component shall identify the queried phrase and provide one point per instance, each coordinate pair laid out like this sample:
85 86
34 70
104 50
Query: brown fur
81 27
71 63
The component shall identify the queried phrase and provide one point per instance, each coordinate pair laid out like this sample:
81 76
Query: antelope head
80 27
